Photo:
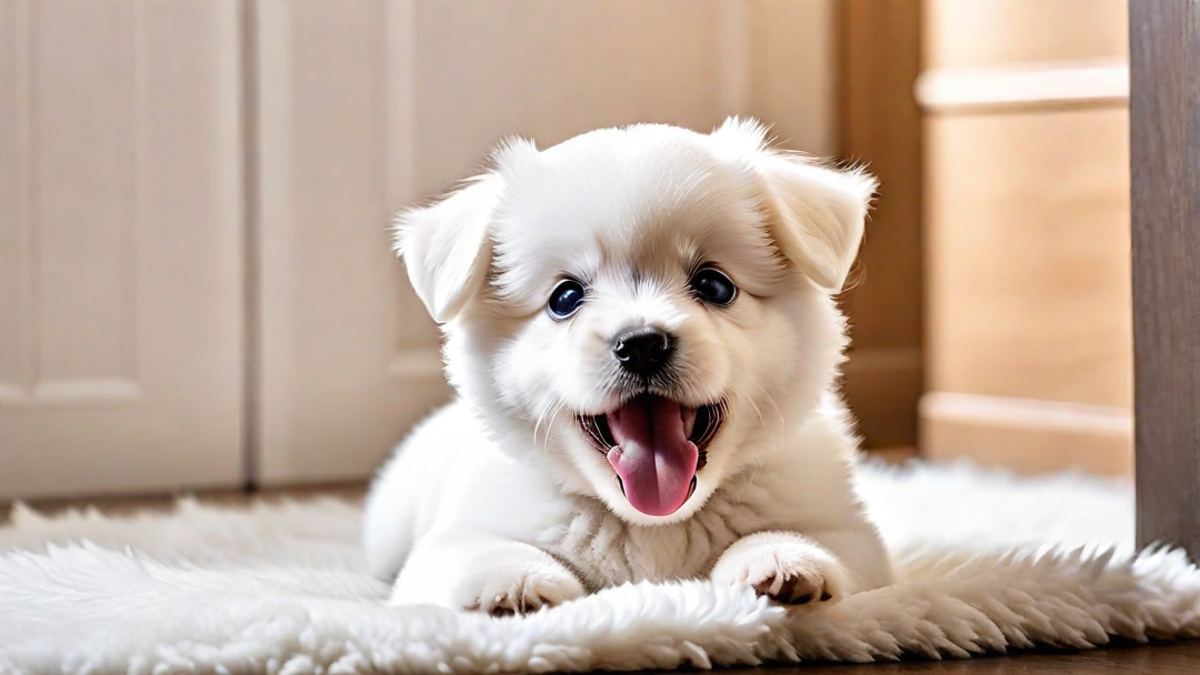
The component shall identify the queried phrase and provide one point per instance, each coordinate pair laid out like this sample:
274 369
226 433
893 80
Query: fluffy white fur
986 563
500 503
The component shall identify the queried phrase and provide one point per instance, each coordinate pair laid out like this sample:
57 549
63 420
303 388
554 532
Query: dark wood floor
1165 659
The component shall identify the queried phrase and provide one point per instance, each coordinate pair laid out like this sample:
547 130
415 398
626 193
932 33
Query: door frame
1164 41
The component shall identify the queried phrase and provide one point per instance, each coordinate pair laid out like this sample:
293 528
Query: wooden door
120 246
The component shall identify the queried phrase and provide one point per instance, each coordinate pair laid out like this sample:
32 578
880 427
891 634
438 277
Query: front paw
508 592
484 573
784 567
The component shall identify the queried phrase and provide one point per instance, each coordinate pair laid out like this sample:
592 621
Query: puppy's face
640 310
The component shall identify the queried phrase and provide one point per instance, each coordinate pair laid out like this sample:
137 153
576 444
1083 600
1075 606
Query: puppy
640 327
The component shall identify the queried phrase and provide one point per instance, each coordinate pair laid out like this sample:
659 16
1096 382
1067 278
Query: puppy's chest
606 551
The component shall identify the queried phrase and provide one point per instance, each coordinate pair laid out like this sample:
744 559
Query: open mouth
656 446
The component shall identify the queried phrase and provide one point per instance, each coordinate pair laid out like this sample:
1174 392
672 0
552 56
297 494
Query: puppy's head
640 310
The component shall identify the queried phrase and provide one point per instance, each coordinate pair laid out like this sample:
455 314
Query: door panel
346 357
120 246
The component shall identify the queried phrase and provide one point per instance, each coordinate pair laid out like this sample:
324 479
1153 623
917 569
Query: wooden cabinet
1028 334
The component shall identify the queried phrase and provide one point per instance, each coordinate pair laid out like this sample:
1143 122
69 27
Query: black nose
643 351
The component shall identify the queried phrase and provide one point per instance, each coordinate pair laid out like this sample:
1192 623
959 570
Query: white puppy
640 327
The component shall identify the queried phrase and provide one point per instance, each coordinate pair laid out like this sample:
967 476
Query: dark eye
565 299
713 287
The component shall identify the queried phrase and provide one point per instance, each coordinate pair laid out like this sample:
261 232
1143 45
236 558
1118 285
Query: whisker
548 412
551 413
754 406
771 400
553 416
537 425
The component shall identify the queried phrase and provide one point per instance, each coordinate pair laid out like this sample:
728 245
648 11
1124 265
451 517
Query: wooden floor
1167 659
1154 660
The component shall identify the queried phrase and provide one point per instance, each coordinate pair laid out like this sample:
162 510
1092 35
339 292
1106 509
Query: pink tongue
653 457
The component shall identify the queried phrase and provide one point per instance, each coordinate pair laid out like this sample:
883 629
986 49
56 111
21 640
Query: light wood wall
1026 181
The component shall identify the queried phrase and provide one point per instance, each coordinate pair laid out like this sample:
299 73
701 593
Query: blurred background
196 285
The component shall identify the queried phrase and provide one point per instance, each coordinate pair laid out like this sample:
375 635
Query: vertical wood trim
879 60
251 243
1165 171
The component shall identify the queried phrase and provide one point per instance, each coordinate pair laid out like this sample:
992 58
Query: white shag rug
990 563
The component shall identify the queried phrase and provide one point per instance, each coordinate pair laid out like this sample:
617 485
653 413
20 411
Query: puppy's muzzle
643 351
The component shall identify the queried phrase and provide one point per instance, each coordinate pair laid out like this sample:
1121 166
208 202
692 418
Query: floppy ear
446 247
815 214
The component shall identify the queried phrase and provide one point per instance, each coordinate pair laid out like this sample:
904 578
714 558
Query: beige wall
196 197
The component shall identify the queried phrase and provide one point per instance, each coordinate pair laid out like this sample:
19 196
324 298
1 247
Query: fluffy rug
990 563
